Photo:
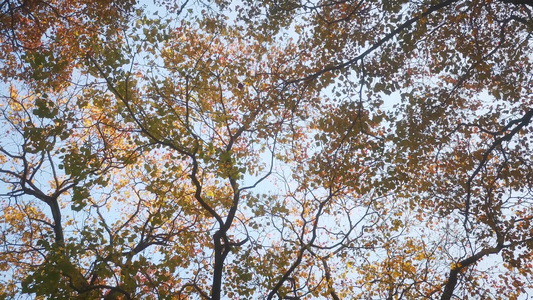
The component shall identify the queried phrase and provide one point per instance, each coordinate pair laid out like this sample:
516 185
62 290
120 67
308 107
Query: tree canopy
278 149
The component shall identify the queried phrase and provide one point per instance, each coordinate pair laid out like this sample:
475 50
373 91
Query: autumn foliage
266 149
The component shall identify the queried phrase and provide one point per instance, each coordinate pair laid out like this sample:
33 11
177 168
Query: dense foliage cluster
278 149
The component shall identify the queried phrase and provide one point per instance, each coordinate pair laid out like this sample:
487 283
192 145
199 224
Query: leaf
80 197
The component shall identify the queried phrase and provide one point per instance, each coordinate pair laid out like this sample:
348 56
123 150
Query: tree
258 156
46 40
